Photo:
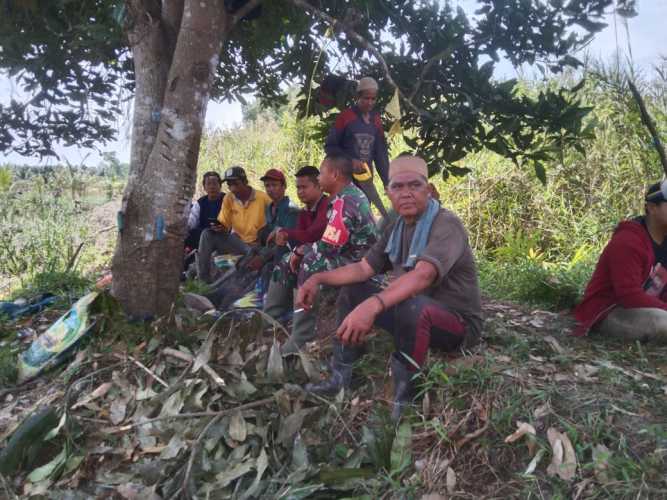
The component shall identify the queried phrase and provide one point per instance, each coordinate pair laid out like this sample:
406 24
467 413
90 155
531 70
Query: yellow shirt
245 219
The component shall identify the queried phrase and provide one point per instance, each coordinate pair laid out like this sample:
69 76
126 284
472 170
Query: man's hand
356 325
281 238
270 237
305 296
256 263
218 228
295 260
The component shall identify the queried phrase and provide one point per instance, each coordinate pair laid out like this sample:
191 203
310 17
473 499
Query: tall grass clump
46 238
539 244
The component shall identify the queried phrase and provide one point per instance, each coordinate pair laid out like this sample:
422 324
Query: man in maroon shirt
312 220
626 295
310 225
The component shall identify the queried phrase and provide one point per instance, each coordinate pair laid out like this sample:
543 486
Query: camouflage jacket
350 232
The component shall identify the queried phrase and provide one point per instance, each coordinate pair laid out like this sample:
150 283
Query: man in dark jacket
625 297
205 210
358 133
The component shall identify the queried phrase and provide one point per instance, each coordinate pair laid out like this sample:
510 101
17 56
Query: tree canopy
72 63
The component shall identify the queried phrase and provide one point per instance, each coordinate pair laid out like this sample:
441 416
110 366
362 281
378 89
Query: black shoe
341 371
403 386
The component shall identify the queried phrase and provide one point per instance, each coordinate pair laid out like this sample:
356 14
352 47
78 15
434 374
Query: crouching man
432 300
627 297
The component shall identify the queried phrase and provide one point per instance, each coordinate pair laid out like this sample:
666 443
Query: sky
647 36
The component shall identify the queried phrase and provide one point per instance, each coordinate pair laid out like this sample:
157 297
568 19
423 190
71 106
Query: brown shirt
447 248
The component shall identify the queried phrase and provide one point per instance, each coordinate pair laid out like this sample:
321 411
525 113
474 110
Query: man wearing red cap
281 213
432 299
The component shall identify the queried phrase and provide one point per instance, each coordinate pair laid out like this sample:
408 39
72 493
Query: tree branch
650 125
427 67
243 11
365 44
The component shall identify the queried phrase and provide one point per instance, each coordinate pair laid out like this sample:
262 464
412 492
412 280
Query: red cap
273 174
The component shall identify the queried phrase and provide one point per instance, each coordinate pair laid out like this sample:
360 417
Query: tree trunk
170 106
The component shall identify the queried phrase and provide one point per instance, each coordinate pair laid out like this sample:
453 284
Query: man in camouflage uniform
350 232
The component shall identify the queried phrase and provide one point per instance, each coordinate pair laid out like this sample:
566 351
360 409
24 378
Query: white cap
367 83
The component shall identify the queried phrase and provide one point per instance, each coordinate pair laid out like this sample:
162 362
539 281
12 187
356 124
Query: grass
554 287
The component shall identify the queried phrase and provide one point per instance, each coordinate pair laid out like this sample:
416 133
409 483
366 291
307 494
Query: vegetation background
535 243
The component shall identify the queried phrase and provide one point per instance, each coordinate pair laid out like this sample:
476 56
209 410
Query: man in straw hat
358 133
626 297
432 299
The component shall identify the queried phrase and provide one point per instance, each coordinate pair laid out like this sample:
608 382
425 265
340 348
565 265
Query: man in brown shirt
432 299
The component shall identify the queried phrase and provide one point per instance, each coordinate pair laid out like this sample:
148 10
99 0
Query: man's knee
644 324
353 295
205 239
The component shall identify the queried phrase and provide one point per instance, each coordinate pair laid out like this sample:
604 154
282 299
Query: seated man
205 210
432 299
309 228
625 297
280 213
312 220
241 217
350 231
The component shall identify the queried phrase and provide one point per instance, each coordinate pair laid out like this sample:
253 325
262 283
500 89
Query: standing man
241 217
349 233
626 295
358 133
432 299
203 212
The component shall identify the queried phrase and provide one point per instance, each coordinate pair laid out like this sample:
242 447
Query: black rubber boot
341 371
403 386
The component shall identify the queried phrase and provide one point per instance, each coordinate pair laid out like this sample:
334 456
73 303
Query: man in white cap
357 132
432 299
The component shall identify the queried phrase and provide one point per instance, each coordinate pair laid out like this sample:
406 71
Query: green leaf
275 370
51 470
401 456
540 173
333 476
458 171
578 86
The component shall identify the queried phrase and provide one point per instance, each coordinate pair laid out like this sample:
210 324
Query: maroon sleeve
314 231
627 258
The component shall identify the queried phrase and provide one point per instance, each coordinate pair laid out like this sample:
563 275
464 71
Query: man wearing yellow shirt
239 221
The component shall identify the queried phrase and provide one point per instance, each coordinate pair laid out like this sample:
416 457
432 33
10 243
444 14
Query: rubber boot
304 330
403 387
341 371
278 301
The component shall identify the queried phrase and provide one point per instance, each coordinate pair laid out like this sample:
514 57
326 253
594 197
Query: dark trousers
415 324
192 240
